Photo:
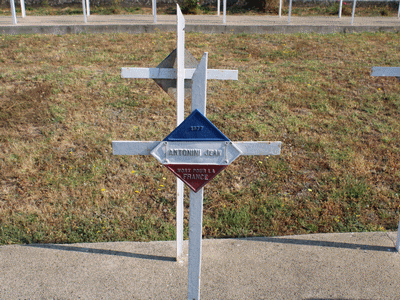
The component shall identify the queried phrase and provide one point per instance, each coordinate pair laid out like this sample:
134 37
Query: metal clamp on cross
389 72
174 75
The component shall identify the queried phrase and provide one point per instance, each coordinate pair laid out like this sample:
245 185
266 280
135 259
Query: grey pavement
197 23
317 266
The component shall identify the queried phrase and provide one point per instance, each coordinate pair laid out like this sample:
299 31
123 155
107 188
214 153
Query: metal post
224 17
13 13
179 219
154 2
199 86
352 13
88 7
199 102
23 8
398 238
340 8
280 8
195 237
84 11
218 7
180 81
398 13
180 98
290 10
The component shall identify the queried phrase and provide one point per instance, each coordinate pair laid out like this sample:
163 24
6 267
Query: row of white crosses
86 10
340 10
226 151
85 6
14 14
154 10
389 72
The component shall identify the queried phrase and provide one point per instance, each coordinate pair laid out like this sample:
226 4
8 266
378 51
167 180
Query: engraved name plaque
196 151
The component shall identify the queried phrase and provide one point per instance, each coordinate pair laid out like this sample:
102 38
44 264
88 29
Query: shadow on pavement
101 251
279 240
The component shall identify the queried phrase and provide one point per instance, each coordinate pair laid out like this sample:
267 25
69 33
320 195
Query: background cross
389 72
386 72
171 74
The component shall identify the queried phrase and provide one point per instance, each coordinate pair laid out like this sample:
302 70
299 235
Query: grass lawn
62 103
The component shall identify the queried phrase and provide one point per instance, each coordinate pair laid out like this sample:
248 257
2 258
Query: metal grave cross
389 72
174 75
195 152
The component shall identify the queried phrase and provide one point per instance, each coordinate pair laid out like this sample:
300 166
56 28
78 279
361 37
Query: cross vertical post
13 13
23 8
398 13
180 113
398 238
84 11
88 7
224 13
389 72
199 86
353 11
199 96
195 238
154 9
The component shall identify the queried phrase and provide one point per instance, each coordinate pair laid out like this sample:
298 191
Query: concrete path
198 23
318 266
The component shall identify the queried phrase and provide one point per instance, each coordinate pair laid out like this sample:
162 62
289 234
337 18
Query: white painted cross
154 9
165 75
389 72
353 11
181 157
196 151
13 13
23 8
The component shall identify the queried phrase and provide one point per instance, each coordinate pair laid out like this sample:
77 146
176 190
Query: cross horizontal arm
386 71
144 148
133 147
169 73
259 148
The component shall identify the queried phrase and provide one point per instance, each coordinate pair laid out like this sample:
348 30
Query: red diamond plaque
196 176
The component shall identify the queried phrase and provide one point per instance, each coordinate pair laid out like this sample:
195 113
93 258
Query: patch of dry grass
62 103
